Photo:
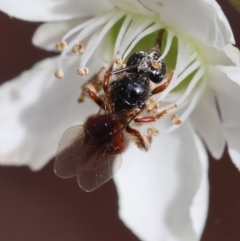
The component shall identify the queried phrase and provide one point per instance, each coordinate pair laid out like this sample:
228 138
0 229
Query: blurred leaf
235 4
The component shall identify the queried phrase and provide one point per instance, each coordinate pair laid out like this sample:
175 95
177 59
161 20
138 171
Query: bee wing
91 179
88 160
92 166
65 163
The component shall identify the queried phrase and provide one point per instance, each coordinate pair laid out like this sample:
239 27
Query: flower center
130 32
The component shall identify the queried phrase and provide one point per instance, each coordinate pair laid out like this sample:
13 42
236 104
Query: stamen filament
187 63
196 95
197 77
190 69
178 79
91 47
95 20
136 26
91 26
122 33
146 32
170 36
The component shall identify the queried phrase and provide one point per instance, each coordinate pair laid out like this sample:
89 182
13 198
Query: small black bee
143 63
92 151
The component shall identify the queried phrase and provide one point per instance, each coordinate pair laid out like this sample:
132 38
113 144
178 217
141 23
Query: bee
92 151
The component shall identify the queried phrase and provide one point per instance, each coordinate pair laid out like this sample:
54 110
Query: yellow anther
81 98
61 46
119 63
151 105
59 74
79 48
152 132
86 70
81 72
176 120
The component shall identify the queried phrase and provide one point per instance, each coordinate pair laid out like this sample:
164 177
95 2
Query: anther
81 98
156 65
86 70
61 46
118 62
152 132
80 72
79 48
151 105
59 74
155 110
176 120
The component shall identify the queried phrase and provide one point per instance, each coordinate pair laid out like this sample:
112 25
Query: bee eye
157 75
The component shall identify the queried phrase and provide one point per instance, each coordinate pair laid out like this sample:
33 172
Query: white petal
199 207
204 20
232 72
215 56
206 120
228 97
48 10
233 53
225 57
36 108
163 194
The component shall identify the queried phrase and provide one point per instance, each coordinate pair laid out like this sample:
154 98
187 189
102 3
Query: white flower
163 194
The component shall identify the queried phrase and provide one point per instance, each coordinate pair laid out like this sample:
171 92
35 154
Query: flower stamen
59 74
88 28
131 31
197 77
149 30
81 72
170 36
61 45
176 120
121 34
98 38
79 48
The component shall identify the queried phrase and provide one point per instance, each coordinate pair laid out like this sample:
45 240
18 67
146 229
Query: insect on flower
92 151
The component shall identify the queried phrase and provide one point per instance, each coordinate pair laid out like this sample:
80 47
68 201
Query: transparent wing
89 180
89 163
82 151
65 161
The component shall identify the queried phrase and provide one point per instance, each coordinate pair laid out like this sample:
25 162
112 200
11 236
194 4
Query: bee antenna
159 39
119 70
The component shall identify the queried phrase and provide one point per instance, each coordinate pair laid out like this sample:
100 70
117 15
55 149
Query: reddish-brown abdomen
117 146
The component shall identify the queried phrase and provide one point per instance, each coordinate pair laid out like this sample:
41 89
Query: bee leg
155 117
142 141
94 97
95 84
106 80
163 86
107 77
